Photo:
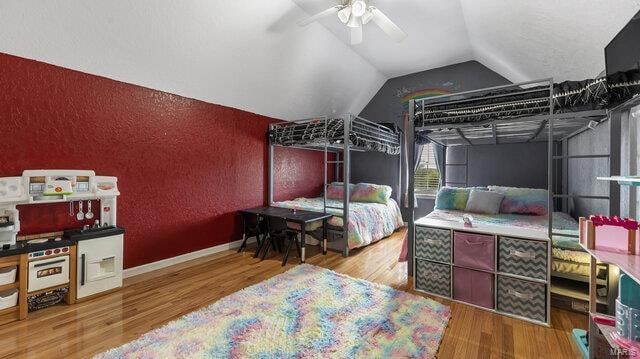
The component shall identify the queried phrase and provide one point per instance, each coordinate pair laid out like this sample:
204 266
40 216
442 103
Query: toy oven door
47 273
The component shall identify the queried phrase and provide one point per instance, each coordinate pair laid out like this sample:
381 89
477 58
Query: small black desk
303 218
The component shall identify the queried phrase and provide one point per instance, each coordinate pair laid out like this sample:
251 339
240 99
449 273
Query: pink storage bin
474 250
473 287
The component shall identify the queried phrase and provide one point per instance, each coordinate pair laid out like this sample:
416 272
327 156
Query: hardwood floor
153 299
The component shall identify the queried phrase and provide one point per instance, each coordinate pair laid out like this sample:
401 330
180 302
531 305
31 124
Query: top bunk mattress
364 135
564 226
368 222
568 96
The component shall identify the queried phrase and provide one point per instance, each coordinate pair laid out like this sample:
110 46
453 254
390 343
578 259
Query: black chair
275 235
255 226
292 238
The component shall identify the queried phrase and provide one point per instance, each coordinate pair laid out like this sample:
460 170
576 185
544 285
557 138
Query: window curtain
418 154
421 140
416 162
439 154
405 160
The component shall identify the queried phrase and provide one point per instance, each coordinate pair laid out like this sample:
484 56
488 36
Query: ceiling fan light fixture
344 14
355 14
355 21
368 16
358 8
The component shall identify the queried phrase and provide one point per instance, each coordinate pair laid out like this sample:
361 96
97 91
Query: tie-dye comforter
368 222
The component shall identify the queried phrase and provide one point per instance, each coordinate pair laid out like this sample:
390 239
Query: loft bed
533 111
521 112
362 135
351 225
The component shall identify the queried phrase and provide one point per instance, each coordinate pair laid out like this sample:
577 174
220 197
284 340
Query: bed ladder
337 164
345 175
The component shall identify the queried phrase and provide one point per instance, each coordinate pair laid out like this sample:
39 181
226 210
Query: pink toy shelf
613 234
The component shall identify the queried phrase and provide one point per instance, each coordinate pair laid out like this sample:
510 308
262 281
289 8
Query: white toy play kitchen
52 186
75 264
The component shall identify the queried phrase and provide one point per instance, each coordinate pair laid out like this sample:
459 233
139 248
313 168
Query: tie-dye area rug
305 312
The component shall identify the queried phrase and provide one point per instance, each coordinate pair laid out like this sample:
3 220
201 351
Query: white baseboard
163 263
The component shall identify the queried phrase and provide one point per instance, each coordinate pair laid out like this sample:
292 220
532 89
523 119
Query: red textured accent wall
184 166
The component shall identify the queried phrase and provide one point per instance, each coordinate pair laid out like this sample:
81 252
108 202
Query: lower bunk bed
569 262
367 223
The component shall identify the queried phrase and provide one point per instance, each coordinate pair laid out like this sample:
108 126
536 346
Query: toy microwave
57 186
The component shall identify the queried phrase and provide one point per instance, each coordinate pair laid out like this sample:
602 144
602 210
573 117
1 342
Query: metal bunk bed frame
351 123
518 125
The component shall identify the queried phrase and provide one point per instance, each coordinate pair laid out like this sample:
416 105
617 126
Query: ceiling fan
357 13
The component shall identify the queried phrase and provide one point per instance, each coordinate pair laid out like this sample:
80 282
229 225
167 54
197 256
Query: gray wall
516 165
582 172
630 201
387 106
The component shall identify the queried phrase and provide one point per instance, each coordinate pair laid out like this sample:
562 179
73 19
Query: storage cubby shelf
9 286
450 264
521 277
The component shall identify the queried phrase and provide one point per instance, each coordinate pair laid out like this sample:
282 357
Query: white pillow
487 202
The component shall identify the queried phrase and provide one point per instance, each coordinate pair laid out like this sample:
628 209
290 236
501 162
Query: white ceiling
527 40
520 39
437 35
250 54
247 54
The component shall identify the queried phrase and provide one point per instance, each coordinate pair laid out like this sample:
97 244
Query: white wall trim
163 263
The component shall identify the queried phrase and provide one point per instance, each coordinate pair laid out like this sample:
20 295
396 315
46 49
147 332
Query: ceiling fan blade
387 25
329 11
356 35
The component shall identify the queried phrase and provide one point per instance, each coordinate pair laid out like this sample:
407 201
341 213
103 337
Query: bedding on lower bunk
569 267
368 222
568 256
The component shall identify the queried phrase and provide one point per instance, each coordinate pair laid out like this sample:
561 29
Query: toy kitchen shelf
53 186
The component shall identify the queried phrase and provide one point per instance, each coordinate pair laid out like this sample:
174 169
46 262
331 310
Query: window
427 176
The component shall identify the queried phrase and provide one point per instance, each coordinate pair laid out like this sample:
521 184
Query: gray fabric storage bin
523 298
433 277
433 244
522 257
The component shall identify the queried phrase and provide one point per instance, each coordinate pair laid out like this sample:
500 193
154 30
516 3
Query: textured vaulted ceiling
437 35
247 54
520 39
250 54
527 40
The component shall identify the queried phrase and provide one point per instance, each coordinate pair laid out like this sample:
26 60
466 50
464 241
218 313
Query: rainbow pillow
453 198
523 200
371 193
336 190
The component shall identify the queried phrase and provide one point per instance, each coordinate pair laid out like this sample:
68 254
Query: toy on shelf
468 220
612 234
627 333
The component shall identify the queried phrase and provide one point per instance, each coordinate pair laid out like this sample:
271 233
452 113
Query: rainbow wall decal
423 93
